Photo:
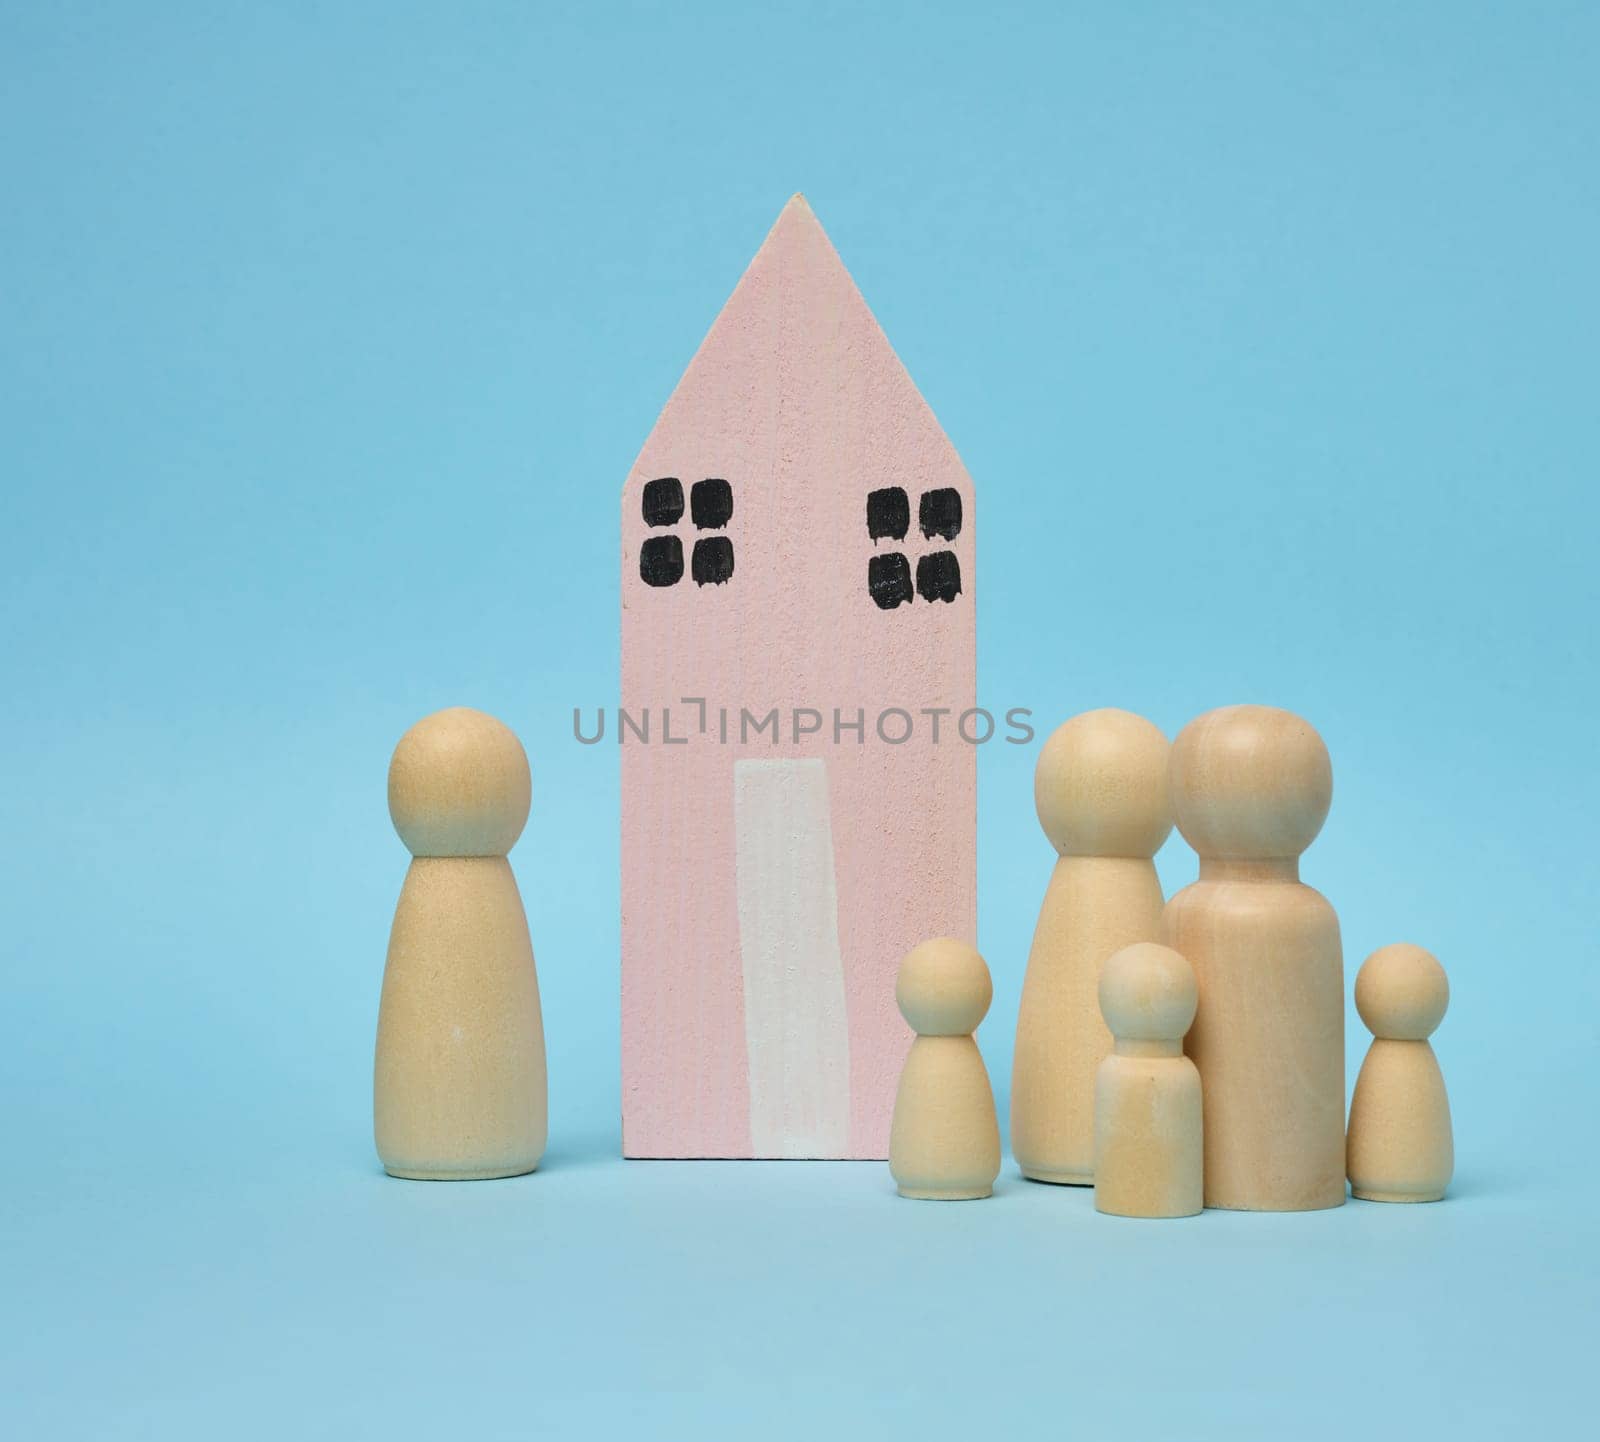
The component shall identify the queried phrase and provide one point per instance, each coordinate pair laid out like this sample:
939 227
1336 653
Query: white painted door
796 1027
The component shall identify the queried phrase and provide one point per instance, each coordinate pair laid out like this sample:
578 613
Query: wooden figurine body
459 1090
1400 1147
1251 786
944 1142
1100 789
1148 1123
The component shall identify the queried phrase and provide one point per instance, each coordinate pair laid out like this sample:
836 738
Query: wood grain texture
459 1087
1100 788
1250 788
945 1140
1401 1147
798 403
1148 1116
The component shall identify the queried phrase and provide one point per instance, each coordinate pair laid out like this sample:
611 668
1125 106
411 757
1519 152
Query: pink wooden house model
797 538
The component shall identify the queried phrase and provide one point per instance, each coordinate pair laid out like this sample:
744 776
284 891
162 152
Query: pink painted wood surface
797 399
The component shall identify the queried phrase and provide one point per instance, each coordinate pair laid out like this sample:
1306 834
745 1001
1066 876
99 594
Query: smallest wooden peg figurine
1148 1158
1399 1147
944 1144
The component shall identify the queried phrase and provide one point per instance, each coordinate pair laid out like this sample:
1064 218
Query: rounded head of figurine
943 988
1250 783
1148 993
459 785
1101 786
1402 992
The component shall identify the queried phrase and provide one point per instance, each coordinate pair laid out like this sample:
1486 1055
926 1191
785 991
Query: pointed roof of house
797 311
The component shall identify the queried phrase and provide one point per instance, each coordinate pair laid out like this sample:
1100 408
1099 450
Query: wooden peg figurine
459 1083
1400 1147
1147 1110
1101 792
1250 788
944 1142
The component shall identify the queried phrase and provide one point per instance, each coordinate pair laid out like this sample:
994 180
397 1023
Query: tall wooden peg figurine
944 1143
1251 786
1147 1111
1400 1147
1101 792
459 1084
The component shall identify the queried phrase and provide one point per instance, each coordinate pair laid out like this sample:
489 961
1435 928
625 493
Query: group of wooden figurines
1173 1054
1183 1054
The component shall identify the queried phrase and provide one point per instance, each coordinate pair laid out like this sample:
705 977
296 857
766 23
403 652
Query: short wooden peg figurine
944 1144
1400 1147
1147 1111
459 1083
1101 793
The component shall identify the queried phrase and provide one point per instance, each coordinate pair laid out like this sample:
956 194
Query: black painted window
940 513
711 504
889 580
712 562
710 508
663 501
661 561
939 576
888 514
938 573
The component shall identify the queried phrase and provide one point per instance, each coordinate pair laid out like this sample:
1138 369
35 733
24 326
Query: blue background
1268 333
